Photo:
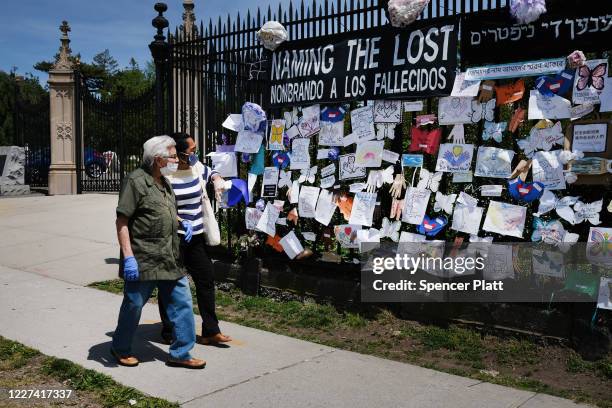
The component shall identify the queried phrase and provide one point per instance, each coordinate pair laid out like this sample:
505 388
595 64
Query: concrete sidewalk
52 246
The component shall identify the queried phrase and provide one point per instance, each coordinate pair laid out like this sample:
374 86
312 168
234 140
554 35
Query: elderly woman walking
147 229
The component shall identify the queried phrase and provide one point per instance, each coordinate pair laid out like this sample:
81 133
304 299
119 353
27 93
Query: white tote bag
212 234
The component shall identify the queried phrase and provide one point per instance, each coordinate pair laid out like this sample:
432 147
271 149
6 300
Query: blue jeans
176 295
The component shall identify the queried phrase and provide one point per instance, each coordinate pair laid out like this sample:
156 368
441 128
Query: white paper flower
272 34
566 156
405 12
570 177
527 11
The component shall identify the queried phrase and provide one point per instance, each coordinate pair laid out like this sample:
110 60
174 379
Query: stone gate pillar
62 172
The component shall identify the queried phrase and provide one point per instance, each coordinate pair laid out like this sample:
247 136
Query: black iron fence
213 69
31 131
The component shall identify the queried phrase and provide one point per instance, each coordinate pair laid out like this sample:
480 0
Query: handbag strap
195 169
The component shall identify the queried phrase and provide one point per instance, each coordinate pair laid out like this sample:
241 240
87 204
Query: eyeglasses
167 156
196 152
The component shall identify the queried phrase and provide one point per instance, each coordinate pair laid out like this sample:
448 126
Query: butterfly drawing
284 179
591 77
551 232
428 180
494 131
390 229
484 110
308 175
444 202
600 242
388 111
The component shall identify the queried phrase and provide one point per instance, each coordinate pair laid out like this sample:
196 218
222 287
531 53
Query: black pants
200 268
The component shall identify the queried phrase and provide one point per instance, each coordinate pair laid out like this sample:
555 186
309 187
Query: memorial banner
492 36
371 64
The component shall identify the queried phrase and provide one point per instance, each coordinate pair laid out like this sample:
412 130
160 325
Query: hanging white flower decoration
405 12
527 11
272 34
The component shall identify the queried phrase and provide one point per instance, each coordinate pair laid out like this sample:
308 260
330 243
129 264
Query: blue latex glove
130 269
188 230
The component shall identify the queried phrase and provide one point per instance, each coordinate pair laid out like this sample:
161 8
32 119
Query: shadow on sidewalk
143 347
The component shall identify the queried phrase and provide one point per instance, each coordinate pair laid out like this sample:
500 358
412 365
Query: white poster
463 87
348 168
225 163
455 158
547 169
604 296
291 244
269 185
248 142
363 209
309 124
362 123
493 162
454 110
415 205
251 217
369 153
413 106
548 107
332 134
505 219
267 221
590 138
308 201
326 207
300 157
467 218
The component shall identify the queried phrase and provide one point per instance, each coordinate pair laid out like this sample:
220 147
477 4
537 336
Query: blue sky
29 31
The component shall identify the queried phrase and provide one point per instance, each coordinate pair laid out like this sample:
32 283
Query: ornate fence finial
159 46
63 61
189 17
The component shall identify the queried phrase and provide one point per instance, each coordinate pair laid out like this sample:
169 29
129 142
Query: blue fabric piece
432 226
330 114
257 164
523 191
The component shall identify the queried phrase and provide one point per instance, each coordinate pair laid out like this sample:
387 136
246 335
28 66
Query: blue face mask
193 159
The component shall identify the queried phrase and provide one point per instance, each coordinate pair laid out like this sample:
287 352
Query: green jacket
153 226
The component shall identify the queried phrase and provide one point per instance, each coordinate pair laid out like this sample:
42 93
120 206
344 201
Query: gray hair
157 146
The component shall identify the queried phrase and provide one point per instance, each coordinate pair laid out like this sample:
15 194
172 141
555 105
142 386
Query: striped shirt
188 191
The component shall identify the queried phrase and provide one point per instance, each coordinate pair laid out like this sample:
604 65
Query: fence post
159 50
62 171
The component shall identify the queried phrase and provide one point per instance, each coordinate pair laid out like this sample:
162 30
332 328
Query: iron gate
109 136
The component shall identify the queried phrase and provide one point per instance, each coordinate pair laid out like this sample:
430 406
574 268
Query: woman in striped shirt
187 188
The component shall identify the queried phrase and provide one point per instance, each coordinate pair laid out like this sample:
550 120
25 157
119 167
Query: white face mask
169 169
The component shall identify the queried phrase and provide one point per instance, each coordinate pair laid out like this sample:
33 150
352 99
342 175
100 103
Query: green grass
104 389
515 351
575 364
14 355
